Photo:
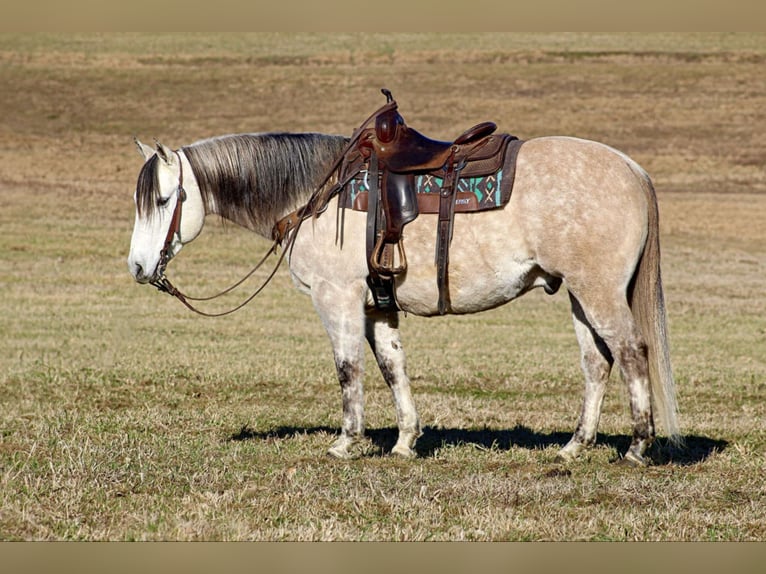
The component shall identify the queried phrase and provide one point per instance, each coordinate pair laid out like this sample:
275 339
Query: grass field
125 417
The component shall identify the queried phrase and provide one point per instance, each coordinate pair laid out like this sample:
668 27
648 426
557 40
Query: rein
285 230
165 286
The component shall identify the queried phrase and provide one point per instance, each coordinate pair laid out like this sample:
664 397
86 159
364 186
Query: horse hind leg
634 365
612 320
382 331
596 362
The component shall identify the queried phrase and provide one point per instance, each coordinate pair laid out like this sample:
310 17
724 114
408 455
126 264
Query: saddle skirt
484 183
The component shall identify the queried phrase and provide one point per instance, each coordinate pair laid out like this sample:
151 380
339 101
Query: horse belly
488 264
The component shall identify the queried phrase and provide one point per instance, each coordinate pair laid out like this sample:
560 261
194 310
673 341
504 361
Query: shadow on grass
696 448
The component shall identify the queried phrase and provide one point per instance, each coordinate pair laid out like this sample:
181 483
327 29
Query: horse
581 214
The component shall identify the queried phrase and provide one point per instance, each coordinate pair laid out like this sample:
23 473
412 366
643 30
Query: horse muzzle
142 275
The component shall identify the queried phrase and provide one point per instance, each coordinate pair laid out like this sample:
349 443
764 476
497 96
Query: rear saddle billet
392 156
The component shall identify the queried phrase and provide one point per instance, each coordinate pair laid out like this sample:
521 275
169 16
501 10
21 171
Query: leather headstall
174 228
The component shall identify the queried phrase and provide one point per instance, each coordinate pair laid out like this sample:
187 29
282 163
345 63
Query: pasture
123 416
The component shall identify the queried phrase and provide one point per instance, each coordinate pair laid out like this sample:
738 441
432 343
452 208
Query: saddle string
318 201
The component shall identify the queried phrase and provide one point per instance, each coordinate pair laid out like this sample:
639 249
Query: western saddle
382 172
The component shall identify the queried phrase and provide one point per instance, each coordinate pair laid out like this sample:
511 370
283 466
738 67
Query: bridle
175 225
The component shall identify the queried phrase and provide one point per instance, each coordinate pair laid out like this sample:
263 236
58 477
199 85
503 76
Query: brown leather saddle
392 158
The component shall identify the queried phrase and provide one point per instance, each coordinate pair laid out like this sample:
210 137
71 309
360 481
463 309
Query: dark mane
253 179
147 188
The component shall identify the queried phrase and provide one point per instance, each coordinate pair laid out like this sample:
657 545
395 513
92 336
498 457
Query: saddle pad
473 193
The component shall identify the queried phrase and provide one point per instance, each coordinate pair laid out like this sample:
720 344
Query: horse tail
647 302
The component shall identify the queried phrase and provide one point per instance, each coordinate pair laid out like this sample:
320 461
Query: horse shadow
696 449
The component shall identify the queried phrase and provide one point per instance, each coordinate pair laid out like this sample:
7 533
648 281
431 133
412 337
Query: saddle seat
402 149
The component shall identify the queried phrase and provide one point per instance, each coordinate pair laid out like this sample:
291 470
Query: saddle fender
400 202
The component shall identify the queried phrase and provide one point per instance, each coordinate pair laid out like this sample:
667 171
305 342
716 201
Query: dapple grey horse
581 214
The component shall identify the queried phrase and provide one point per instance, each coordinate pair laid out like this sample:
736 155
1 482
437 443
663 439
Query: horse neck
264 224
250 199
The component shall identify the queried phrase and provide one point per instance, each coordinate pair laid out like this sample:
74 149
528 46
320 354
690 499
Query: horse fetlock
411 433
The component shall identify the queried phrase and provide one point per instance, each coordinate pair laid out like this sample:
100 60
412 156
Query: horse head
169 211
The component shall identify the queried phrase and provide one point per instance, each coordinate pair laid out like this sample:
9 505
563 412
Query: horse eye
162 201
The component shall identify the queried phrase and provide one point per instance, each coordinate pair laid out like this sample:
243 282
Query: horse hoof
403 452
565 456
632 460
339 452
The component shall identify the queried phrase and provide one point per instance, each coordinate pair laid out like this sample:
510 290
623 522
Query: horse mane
254 179
147 187
251 179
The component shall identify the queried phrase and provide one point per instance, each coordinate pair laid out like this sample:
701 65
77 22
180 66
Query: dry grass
125 417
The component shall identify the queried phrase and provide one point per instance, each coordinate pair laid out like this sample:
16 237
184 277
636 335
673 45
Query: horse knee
596 366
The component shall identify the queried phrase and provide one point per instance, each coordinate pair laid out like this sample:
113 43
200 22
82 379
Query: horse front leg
341 309
382 330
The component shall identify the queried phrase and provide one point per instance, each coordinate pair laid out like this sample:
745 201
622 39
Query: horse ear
145 150
165 153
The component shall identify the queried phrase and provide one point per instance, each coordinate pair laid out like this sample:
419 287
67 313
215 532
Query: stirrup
376 258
